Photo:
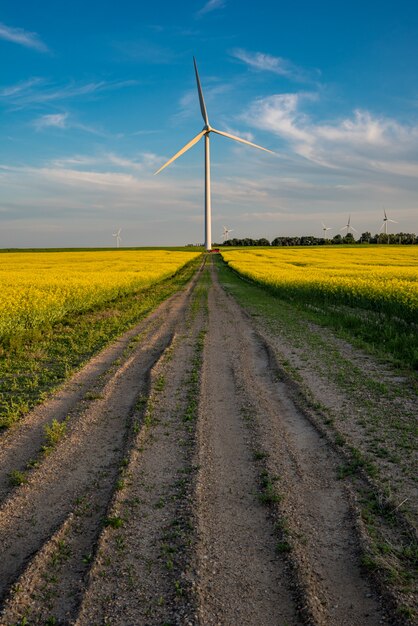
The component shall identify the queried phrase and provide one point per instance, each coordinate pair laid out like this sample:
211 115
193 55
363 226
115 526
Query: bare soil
189 488
313 505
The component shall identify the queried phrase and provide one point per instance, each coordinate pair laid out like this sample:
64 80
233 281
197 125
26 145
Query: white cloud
22 37
77 160
210 6
38 91
238 133
57 120
269 63
66 186
82 193
280 115
145 162
13 90
359 142
65 122
189 102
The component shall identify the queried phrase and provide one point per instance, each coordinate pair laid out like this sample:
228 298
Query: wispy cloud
36 91
13 90
65 121
57 120
358 143
80 193
87 191
22 37
189 102
140 162
210 6
278 65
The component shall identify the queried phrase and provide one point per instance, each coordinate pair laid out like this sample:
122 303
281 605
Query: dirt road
187 488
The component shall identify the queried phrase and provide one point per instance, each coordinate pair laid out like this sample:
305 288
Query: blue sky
96 96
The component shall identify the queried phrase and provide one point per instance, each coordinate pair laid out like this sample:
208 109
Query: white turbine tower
325 229
118 237
384 226
205 132
348 226
226 231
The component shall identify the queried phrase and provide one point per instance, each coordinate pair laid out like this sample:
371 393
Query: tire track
21 443
182 474
315 507
241 579
67 496
142 573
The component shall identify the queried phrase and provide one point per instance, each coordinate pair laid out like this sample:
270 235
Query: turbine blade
382 227
249 143
182 151
392 221
201 98
355 229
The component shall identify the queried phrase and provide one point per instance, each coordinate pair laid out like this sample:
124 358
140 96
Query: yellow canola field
383 278
38 288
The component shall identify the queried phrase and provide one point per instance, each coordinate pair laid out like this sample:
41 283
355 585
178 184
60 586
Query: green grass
268 493
200 294
54 432
393 339
393 551
172 248
114 522
283 546
35 364
357 462
389 429
17 478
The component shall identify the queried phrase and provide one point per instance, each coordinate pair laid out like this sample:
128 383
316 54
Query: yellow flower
382 278
38 288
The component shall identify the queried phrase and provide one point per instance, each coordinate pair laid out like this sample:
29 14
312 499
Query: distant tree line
308 240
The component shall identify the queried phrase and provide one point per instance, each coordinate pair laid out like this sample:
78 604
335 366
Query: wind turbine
348 226
118 237
325 228
385 223
226 231
205 132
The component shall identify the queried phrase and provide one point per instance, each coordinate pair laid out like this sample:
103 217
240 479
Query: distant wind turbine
348 226
325 229
118 237
384 226
226 231
205 132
